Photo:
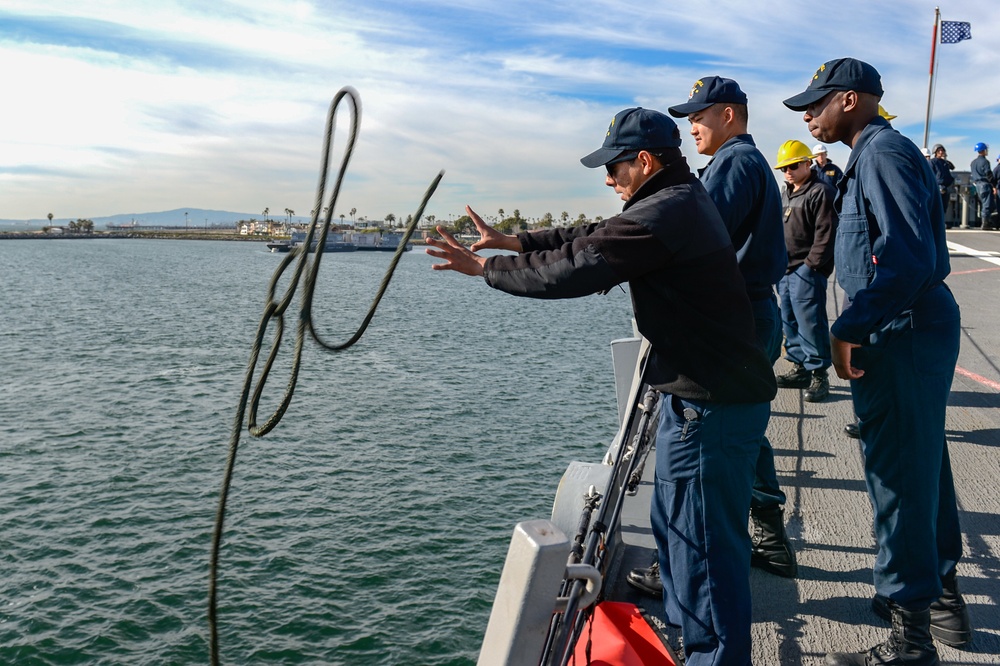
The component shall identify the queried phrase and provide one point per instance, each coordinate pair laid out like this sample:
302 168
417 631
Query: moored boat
336 241
280 246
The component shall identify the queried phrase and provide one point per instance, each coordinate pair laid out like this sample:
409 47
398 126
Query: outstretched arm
457 257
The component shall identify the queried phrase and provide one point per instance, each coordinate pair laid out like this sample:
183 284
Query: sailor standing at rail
689 301
740 182
982 178
898 344
942 171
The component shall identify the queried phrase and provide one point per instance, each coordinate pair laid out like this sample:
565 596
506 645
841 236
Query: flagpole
930 83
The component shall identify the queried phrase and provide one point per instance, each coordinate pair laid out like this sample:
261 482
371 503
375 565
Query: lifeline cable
276 309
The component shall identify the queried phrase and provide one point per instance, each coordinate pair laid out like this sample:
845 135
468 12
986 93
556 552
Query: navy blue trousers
766 491
900 402
987 201
804 320
705 458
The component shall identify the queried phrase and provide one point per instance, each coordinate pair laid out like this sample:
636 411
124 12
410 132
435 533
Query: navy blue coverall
740 182
942 171
829 173
891 260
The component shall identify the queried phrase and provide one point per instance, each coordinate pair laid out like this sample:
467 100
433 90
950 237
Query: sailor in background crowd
926 153
898 344
825 170
942 172
689 301
810 226
982 178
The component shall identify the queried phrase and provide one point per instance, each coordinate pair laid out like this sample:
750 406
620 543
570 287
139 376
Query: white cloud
223 106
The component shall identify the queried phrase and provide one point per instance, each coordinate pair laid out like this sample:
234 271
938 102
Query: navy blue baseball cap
708 91
633 130
839 74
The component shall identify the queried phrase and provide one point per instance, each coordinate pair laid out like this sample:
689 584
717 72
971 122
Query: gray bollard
526 595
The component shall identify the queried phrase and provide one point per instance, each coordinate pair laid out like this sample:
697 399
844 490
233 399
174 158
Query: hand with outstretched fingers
490 238
457 257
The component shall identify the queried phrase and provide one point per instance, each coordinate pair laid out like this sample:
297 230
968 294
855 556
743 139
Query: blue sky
117 107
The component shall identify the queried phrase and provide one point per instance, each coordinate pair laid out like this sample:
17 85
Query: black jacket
689 298
810 225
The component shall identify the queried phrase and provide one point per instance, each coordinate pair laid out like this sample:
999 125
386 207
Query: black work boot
772 551
797 377
819 387
909 644
853 429
647 580
950 621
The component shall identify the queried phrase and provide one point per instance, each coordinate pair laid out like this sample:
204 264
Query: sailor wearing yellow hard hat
810 222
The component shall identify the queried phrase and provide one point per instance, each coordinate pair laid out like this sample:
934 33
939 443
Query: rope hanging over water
275 310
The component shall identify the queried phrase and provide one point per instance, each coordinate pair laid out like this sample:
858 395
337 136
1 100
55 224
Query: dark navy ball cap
708 91
633 130
839 74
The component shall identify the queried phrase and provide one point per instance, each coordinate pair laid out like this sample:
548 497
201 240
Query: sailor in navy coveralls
739 180
983 179
897 342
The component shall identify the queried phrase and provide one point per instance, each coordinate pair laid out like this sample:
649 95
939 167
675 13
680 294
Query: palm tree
289 212
266 211
390 218
50 218
341 219
353 211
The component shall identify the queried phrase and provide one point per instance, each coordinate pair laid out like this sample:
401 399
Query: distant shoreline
148 235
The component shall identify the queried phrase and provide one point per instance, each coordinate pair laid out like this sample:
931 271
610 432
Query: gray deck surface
828 514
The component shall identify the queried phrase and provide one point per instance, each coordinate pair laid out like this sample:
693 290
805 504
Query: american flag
953 32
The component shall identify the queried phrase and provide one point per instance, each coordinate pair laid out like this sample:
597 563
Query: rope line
276 309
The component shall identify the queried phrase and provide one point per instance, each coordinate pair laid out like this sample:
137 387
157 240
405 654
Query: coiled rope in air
275 310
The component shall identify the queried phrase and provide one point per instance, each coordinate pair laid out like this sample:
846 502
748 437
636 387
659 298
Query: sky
116 107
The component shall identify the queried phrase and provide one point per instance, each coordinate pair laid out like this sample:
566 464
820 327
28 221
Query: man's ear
850 101
648 161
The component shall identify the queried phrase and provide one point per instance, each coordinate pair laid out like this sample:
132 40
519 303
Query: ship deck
828 514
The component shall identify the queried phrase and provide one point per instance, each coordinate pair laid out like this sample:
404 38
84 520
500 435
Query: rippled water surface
369 527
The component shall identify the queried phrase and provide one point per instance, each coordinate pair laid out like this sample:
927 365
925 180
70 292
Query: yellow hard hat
885 114
791 152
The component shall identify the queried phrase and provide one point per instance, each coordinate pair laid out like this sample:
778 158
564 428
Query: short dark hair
666 155
740 111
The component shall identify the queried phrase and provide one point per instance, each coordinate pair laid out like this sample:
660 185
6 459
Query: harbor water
369 527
